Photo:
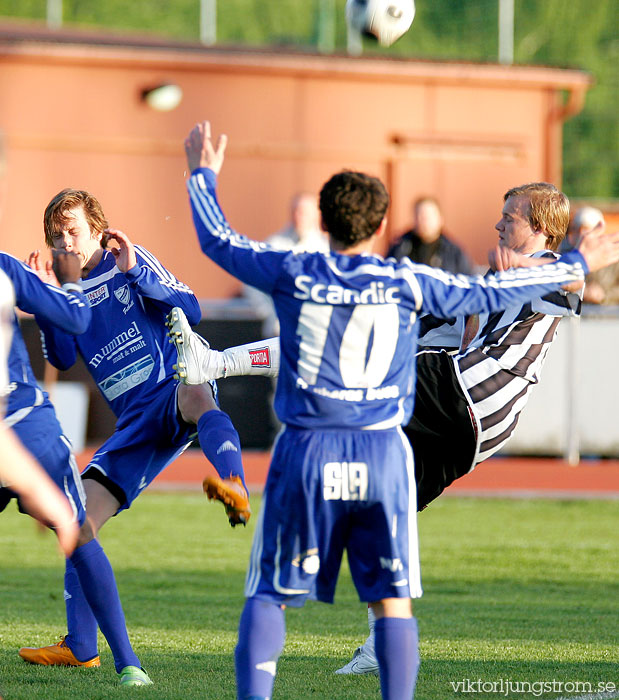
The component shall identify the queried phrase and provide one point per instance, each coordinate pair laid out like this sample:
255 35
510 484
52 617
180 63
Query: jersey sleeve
7 302
59 348
559 302
445 295
152 281
253 263
66 308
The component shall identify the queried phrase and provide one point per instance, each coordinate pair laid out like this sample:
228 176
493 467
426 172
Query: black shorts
441 431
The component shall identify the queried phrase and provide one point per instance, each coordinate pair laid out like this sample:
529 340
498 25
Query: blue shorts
42 436
333 490
141 447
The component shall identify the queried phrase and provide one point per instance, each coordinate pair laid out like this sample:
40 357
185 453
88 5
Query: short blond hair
549 210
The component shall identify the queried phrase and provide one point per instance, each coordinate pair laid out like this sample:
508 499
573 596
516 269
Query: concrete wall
575 404
73 116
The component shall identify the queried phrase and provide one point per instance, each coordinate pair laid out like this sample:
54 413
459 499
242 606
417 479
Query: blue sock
82 636
398 656
262 631
99 587
221 444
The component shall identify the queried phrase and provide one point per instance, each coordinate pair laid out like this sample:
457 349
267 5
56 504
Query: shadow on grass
546 611
201 674
168 599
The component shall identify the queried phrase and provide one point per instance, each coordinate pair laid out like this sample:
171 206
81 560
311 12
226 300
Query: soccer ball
384 20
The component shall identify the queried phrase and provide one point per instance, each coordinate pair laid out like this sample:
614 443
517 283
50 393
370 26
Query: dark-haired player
342 473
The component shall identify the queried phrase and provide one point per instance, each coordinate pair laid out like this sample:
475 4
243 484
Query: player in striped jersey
341 474
126 350
475 374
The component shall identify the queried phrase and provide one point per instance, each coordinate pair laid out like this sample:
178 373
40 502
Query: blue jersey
348 324
67 308
7 302
126 348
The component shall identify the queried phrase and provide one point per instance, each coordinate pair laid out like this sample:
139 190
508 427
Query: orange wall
72 116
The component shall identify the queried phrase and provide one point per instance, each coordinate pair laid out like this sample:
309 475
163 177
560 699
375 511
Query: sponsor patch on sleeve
260 357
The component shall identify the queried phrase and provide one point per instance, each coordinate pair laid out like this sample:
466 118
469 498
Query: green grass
518 590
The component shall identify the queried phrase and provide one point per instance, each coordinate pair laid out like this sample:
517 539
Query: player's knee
194 401
87 533
392 607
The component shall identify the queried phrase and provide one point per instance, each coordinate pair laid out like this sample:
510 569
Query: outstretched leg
221 445
199 363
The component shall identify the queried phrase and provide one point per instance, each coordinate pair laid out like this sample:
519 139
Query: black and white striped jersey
498 358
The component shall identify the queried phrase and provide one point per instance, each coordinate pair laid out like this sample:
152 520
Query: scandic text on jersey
375 293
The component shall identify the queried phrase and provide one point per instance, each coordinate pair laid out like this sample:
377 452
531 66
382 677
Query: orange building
73 115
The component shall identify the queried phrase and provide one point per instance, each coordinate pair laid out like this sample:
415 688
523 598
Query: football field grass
516 592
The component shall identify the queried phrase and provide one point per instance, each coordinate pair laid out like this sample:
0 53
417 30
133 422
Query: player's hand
599 249
199 148
125 253
39 495
43 269
66 266
594 293
502 258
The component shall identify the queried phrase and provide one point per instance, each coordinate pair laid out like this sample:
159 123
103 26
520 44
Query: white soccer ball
384 20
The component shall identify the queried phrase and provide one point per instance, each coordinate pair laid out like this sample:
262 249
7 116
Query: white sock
368 645
260 358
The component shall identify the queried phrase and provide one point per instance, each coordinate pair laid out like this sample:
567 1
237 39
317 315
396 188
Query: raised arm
65 307
249 261
149 277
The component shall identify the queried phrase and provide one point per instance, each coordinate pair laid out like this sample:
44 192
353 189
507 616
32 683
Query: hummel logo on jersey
131 335
67 595
261 357
142 484
227 446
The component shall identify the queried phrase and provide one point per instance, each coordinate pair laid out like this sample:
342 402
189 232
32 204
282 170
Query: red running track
505 476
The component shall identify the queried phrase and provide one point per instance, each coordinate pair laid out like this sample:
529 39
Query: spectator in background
302 234
602 287
427 242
